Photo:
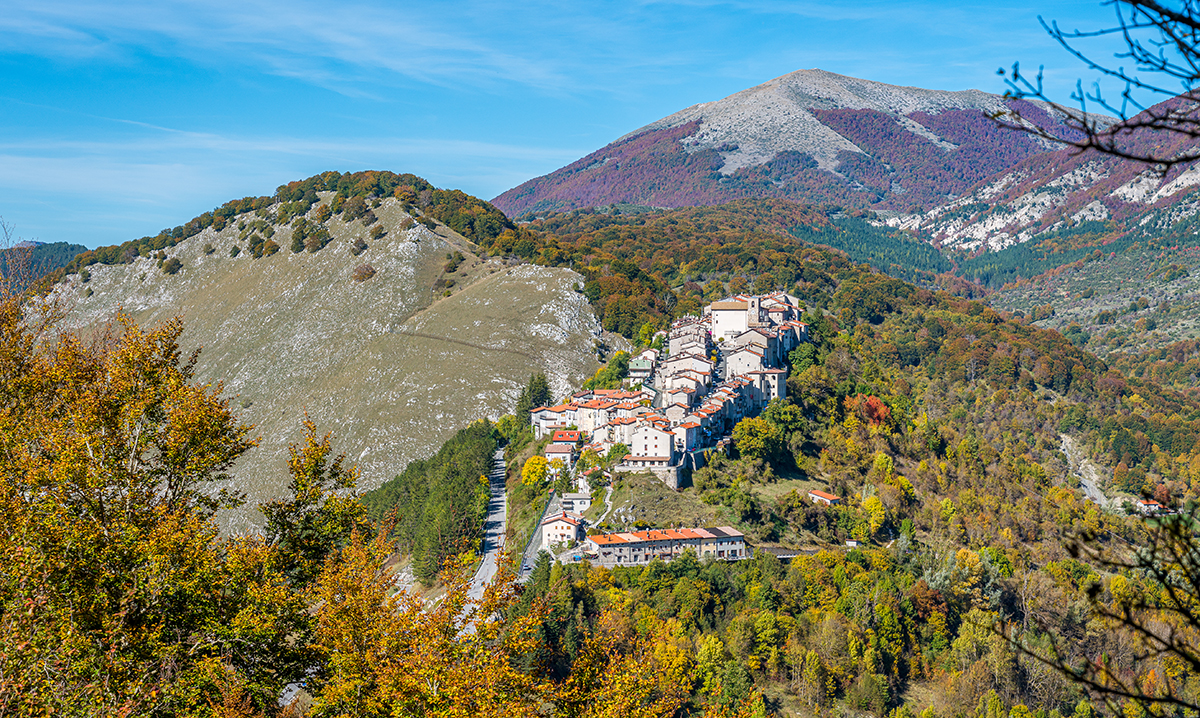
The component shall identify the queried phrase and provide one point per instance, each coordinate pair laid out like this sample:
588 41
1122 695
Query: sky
120 119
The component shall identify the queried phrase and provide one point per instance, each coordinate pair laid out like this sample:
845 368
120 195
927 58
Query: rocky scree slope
811 136
393 364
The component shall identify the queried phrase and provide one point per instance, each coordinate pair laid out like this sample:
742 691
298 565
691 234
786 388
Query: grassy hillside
437 336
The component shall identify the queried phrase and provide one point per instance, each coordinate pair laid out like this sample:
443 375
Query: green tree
536 393
757 439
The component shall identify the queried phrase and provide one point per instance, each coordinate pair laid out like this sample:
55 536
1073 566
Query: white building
576 503
729 319
562 527
653 443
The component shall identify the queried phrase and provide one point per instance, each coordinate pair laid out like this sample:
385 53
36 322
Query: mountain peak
809 135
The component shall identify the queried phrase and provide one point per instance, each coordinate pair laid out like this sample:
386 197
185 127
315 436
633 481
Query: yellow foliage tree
534 471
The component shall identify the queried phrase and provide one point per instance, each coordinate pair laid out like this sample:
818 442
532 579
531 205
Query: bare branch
1161 42
1164 624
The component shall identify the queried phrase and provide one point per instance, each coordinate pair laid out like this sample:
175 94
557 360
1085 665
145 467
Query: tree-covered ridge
471 217
1042 254
646 268
439 503
1176 365
39 259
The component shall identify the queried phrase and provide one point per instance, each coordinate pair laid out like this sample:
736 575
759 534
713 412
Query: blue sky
120 119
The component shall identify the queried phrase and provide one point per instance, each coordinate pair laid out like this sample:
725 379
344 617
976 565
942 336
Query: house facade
641 547
562 527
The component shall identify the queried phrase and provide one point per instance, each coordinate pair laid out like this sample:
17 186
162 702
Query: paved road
494 528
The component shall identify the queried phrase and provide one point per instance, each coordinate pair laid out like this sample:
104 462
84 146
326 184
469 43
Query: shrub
297 242
235 251
378 231
358 247
270 247
363 272
209 249
84 276
353 208
171 266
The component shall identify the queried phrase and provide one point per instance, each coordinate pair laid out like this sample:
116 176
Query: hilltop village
718 368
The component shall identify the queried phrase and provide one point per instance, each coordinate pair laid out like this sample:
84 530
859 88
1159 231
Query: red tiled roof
564 516
824 495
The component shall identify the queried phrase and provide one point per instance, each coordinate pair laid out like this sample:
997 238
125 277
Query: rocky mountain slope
393 364
810 136
1061 190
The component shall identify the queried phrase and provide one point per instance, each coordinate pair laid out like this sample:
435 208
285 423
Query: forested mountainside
33 260
347 297
958 438
644 269
810 136
1118 304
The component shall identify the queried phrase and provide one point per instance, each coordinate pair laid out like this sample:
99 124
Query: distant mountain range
809 136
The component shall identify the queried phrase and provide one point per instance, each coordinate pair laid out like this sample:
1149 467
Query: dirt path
607 504
1089 475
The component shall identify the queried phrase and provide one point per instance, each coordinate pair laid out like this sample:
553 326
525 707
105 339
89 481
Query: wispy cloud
331 45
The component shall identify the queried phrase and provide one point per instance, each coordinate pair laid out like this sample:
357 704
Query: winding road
494 528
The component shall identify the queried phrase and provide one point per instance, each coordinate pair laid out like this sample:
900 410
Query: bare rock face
811 136
1060 191
391 364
